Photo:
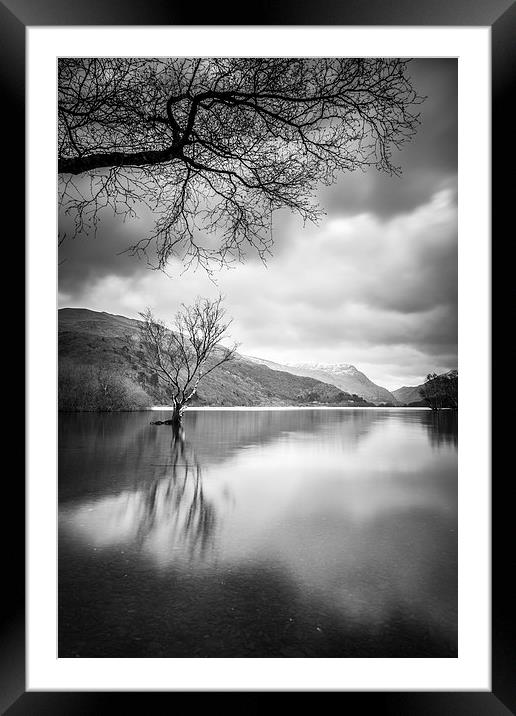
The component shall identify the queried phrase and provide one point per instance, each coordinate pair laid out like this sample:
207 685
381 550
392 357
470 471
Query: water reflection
105 453
176 503
442 427
260 533
168 515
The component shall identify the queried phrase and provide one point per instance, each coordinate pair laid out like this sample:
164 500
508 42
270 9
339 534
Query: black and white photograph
258 364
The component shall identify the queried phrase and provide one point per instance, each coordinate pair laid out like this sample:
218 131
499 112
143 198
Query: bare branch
214 146
182 356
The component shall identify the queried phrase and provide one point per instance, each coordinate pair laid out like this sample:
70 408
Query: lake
258 533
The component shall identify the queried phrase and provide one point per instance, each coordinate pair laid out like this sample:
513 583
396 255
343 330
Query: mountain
99 368
342 375
408 394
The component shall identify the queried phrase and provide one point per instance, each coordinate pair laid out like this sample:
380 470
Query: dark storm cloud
87 258
428 162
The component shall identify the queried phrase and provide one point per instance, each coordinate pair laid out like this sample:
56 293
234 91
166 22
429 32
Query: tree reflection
177 503
442 427
167 512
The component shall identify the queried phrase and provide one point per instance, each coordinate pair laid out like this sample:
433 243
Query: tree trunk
177 416
175 420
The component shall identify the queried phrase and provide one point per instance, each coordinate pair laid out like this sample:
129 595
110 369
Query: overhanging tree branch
214 146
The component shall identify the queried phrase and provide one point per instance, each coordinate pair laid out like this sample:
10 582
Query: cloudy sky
373 284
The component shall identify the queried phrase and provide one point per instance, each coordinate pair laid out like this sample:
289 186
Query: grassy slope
408 394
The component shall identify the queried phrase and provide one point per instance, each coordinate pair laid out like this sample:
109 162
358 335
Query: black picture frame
500 15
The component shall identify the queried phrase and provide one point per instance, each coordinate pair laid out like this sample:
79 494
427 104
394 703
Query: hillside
408 394
342 375
99 352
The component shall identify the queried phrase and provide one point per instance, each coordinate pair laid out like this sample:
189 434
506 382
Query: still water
258 533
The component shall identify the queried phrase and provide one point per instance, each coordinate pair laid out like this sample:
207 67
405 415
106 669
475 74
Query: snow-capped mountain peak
328 367
343 375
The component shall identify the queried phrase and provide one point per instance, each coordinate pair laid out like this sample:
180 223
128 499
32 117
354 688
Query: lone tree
212 147
185 354
441 391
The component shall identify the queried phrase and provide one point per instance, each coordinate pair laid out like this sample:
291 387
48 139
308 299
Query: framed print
237 508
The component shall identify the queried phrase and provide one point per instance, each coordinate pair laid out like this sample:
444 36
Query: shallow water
271 533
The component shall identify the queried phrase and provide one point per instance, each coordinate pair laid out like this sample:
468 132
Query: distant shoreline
242 408
294 407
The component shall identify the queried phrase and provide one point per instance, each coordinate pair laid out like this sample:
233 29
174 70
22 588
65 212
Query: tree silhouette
441 391
212 147
182 356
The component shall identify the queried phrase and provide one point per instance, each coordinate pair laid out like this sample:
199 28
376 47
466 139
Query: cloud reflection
169 516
